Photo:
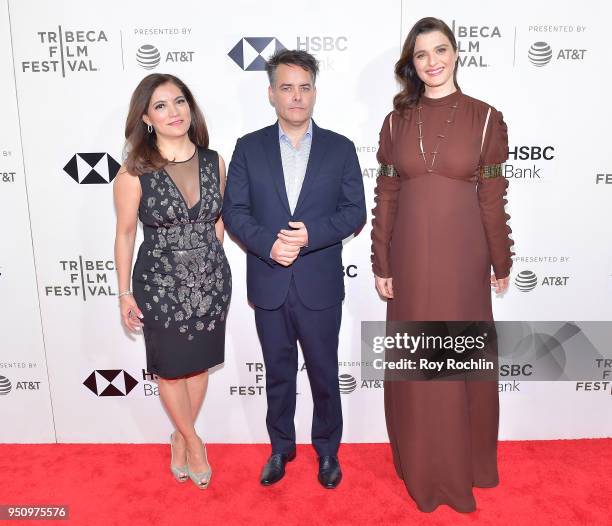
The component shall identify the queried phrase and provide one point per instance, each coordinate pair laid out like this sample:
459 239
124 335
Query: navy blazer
331 204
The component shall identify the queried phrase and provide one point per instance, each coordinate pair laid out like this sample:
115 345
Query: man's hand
283 253
295 238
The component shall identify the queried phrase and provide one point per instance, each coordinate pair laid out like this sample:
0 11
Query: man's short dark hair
292 57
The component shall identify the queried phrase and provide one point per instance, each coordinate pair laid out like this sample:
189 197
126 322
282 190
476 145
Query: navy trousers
317 331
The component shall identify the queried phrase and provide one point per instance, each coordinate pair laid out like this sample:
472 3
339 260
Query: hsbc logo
322 43
350 271
538 155
110 382
251 53
92 168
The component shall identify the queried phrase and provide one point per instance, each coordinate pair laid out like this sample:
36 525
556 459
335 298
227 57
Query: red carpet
562 482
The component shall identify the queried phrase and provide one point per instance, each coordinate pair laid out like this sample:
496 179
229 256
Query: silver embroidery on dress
189 279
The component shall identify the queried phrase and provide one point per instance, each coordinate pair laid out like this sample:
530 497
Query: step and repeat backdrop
70 373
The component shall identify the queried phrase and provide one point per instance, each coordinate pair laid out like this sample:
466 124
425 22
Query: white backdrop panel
76 66
25 403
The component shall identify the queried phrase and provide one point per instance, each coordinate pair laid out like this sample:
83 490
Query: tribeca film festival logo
110 382
66 51
251 53
469 43
536 157
257 386
604 367
21 385
92 168
86 278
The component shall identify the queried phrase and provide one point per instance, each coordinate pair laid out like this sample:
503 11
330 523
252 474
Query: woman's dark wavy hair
412 86
141 152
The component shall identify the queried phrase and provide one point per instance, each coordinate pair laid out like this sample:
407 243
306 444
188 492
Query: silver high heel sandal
201 480
180 474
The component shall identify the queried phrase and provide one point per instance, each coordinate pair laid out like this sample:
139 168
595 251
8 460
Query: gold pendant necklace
449 121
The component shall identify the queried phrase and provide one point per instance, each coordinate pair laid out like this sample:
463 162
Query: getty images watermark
486 350
430 343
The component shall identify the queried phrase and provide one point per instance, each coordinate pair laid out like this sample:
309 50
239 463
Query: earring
149 128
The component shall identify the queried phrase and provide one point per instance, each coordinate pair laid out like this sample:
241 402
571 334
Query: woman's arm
384 213
492 188
219 226
126 193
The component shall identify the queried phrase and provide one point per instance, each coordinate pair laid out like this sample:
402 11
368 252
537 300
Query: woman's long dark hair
141 152
412 86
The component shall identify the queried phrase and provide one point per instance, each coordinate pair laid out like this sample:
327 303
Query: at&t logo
526 281
347 383
5 385
149 57
541 53
23 385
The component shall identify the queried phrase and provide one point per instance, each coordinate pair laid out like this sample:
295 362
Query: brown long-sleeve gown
437 234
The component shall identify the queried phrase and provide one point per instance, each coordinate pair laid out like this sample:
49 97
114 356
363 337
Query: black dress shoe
274 469
330 474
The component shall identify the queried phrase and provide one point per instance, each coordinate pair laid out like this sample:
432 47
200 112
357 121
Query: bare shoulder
125 181
125 177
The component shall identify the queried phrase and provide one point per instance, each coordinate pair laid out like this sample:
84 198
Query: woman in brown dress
439 225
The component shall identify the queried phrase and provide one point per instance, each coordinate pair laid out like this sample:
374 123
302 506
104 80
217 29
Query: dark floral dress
181 279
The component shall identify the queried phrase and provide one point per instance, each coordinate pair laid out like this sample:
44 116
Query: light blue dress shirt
295 161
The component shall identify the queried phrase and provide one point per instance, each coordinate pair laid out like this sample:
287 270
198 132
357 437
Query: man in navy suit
294 192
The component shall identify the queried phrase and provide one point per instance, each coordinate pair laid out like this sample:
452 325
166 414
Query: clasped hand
289 242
